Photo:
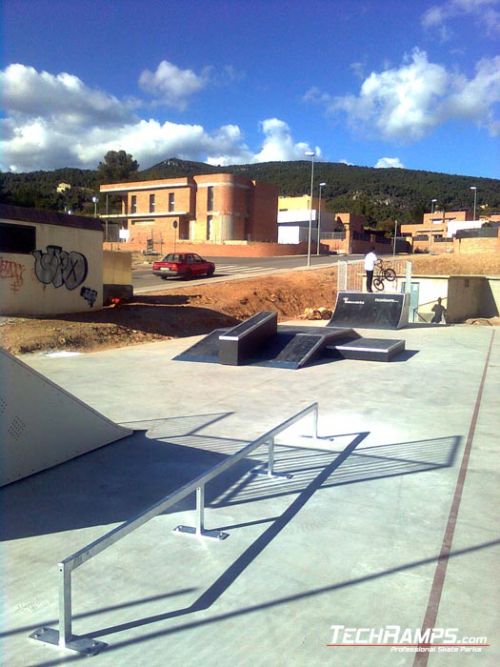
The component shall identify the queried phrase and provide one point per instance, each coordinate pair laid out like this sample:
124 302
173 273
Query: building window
171 202
133 204
152 203
210 198
20 239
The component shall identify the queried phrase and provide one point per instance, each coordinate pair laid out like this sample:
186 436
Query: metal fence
351 275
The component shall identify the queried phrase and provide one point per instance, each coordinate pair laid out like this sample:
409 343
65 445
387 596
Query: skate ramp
42 425
370 310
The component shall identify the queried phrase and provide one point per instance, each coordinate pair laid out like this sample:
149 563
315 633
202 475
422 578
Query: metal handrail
64 637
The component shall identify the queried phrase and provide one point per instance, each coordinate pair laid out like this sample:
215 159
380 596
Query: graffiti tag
90 295
59 267
13 271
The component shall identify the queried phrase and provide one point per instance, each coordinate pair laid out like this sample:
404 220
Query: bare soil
188 310
193 309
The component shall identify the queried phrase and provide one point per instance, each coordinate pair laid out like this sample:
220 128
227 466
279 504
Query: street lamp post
312 155
433 205
395 237
475 195
321 186
96 201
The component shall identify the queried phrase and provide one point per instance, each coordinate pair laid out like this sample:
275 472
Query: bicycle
383 273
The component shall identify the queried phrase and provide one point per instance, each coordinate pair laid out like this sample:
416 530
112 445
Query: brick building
441 231
433 228
214 208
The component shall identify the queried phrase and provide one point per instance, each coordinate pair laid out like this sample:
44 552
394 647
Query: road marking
431 613
235 268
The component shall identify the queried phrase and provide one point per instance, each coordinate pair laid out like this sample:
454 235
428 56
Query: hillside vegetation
380 194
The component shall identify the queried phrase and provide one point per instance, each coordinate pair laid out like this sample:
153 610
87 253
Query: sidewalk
393 522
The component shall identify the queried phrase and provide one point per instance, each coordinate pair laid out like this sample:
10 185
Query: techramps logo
398 639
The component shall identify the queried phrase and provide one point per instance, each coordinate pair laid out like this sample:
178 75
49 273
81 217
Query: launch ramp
42 425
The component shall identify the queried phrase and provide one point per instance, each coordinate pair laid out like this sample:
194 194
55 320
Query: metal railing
64 637
351 273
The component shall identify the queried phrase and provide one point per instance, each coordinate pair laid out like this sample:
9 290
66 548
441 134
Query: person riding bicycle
370 259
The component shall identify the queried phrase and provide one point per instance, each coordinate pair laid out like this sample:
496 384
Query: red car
183 265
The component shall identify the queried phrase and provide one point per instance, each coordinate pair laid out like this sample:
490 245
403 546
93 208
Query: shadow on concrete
113 483
224 581
313 469
273 604
364 465
120 480
323 477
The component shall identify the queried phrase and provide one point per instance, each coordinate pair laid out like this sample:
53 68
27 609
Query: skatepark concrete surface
390 518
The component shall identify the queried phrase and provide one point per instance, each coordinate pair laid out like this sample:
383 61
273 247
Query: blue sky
368 83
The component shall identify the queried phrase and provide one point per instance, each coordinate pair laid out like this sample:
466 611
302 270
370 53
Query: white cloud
279 144
389 163
406 103
474 99
173 86
482 12
27 92
57 121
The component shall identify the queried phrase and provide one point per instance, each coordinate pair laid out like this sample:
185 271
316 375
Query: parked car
183 265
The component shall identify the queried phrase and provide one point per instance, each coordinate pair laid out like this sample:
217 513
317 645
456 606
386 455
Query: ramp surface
289 347
296 348
370 311
42 425
205 350
371 349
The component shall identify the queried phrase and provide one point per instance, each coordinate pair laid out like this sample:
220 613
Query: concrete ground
390 518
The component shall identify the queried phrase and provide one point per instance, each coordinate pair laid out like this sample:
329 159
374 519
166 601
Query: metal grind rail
64 637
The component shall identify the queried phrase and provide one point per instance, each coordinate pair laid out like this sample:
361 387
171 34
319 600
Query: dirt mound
186 311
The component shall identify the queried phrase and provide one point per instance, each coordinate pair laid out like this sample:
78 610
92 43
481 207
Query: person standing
439 312
370 259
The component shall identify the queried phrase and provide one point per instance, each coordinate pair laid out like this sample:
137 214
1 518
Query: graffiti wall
48 269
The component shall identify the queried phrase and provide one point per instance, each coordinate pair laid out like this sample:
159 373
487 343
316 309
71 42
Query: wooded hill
381 194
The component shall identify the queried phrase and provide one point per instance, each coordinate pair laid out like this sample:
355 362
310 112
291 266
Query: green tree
117 166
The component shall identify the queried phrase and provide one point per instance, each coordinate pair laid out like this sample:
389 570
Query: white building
293 220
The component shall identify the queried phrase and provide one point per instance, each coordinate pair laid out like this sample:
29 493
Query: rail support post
269 469
199 529
64 638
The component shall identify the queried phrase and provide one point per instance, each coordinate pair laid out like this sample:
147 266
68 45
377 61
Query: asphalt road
227 268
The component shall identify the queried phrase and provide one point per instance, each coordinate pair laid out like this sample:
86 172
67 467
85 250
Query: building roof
47 217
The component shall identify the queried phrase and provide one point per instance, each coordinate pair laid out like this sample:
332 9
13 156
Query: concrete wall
464 297
117 267
63 275
475 245
490 297
227 249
